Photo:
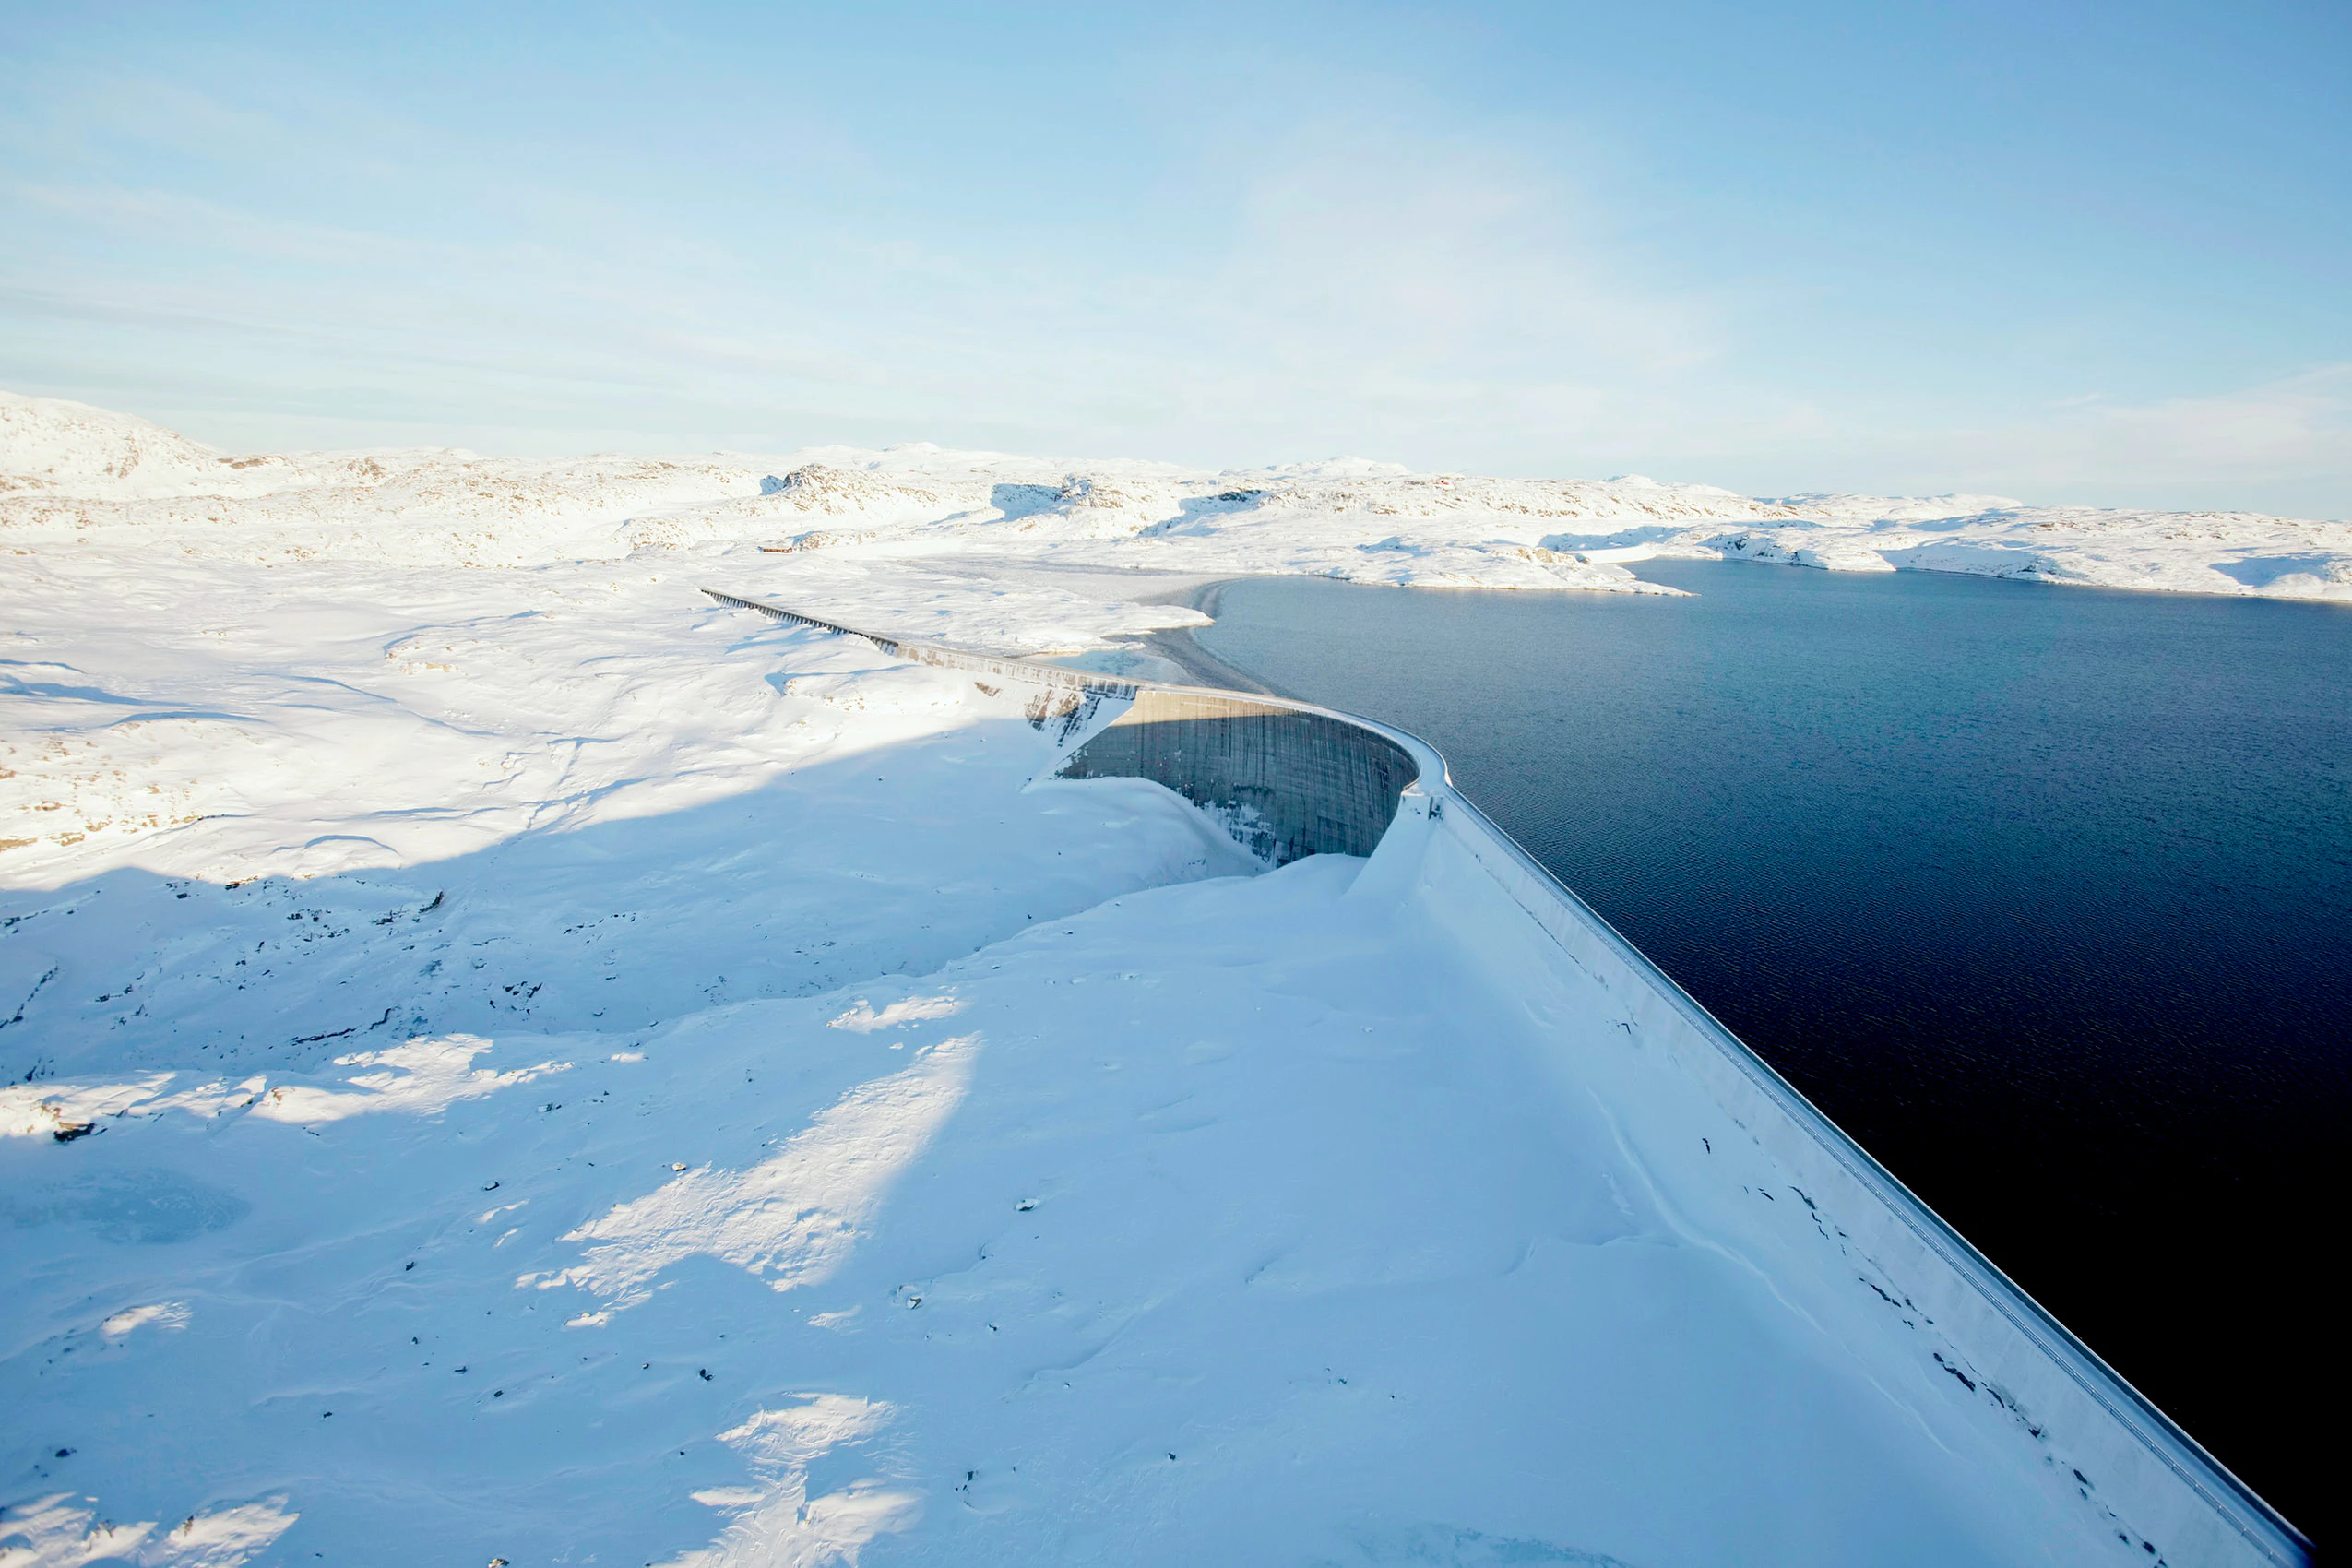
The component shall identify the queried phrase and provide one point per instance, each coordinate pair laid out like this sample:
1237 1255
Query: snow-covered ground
507 1059
72 473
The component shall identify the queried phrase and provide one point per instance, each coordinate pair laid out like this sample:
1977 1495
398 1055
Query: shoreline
1179 646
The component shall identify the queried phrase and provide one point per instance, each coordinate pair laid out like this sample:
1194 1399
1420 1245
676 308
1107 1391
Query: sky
2092 252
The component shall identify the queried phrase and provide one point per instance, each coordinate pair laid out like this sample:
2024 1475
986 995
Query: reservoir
2044 894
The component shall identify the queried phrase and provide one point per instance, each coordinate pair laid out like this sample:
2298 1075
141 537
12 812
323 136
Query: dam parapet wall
1289 780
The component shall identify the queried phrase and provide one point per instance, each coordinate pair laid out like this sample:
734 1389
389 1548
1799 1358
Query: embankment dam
1289 780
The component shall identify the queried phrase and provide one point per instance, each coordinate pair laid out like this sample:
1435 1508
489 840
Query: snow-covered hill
71 473
51 446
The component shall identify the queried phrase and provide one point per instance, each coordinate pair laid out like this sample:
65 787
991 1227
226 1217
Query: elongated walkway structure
1289 780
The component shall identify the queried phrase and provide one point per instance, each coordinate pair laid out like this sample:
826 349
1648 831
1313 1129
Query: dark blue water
2045 895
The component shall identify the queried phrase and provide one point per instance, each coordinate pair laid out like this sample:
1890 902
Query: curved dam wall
1289 779
1287 782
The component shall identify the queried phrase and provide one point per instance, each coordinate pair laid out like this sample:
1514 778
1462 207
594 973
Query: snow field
1240 1218
1087 1164
505 1058
73 475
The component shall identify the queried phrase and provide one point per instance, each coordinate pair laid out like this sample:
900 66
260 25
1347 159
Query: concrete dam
1289 780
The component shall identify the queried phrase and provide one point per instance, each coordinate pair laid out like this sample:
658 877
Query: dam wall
1289 780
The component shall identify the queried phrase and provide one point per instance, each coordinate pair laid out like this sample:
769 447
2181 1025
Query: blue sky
2097 252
